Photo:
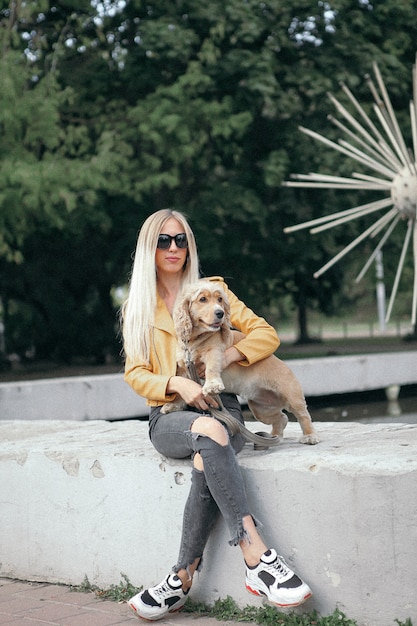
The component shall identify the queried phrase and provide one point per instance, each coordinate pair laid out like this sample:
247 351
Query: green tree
112 111
56 165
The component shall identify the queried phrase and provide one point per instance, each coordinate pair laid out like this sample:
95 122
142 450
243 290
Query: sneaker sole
156 617
258 592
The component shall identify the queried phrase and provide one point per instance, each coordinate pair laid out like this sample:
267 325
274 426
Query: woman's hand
191 392
231 355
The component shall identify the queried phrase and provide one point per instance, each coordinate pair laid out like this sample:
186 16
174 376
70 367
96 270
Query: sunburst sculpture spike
413 129
414 101
414 305
354 243
322 220
378 248
374 138
391 135
380 147
379 140
391 115
399 268
378 154
379 181
373 206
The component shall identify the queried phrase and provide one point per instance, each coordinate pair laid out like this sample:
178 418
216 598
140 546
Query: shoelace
164 590
278 567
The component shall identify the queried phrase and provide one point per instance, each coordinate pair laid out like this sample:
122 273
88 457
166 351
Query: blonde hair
138 311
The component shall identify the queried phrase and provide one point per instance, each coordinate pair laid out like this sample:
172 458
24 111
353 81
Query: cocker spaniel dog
202 324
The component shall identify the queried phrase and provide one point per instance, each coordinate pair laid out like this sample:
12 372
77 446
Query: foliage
118 593
268 615
109 115
227 609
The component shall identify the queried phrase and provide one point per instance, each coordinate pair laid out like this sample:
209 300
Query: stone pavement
24 604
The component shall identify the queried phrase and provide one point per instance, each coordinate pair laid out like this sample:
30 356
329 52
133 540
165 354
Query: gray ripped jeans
219 488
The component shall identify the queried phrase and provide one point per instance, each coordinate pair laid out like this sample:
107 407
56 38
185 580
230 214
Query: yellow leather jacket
150 379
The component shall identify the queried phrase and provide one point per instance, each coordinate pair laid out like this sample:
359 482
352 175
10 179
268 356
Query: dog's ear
226 325
226 308
182 319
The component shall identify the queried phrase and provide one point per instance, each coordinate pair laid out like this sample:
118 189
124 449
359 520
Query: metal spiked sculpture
382 149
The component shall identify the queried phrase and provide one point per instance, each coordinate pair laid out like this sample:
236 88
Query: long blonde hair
138 311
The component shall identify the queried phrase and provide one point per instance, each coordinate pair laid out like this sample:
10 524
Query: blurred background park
112 110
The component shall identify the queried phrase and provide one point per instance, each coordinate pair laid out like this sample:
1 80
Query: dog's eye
203 299
220 299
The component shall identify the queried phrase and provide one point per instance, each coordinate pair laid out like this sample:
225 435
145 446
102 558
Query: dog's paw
212 387
311 439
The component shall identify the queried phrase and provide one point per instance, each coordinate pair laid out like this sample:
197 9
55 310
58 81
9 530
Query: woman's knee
198 462
211 428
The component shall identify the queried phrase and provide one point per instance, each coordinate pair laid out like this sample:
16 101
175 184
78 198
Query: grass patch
117 593
267 615
227 609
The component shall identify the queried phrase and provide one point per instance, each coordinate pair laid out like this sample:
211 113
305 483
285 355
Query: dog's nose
219 314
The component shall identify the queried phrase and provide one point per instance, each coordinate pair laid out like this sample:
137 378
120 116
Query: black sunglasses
164 241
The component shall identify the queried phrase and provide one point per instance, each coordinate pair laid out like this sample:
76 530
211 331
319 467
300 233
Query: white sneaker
156 602
275 580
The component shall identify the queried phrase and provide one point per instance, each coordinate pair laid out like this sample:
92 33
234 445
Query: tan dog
202 325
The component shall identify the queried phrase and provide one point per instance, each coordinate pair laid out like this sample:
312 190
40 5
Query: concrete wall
95 499
109 397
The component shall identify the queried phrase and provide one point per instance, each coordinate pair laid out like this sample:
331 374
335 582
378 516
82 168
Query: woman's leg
200 515
217 483
185 433
173 436
217 460
266 572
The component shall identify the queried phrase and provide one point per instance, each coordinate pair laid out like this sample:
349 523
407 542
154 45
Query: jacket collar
163 319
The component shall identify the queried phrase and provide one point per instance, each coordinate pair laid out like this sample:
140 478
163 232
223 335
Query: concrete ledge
95 499
109 397
360 372
71 398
